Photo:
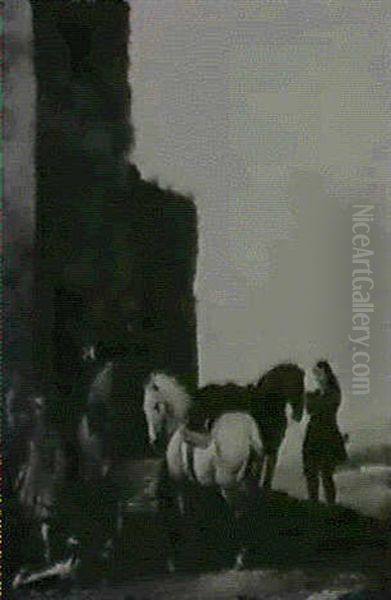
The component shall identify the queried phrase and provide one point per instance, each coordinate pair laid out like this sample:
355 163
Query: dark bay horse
112 429
265 400
94 426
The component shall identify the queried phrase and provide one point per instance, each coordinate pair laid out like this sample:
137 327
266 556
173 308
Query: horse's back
235 435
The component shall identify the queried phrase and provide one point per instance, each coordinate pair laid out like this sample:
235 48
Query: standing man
324 446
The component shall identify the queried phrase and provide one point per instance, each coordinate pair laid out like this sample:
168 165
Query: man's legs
329 485
271 461
311 473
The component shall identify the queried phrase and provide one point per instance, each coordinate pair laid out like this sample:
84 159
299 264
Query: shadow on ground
277 532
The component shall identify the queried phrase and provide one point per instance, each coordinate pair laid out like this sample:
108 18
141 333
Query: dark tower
116 255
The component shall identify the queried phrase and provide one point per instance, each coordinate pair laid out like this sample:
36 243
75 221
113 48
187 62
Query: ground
295 549
227 585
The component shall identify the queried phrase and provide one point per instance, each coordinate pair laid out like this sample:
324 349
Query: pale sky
275 116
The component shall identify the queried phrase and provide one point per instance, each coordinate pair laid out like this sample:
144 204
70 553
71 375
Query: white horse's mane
173 393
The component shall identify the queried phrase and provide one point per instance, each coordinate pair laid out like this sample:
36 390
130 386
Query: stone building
115 256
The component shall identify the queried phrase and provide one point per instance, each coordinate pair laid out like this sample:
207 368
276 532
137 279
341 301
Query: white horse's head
166 404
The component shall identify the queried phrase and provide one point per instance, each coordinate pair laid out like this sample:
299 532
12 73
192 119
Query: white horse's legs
46 541
181 504
254 472
239 562
231 498
224 494
171 566
108 550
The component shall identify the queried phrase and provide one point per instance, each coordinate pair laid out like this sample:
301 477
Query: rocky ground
227 585
294 549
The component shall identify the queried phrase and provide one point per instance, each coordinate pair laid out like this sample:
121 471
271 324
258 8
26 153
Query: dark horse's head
286 381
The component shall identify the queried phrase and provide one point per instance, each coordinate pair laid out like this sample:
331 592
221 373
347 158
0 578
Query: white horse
224 457
227 458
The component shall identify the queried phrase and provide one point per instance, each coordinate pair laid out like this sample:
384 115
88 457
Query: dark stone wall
116 255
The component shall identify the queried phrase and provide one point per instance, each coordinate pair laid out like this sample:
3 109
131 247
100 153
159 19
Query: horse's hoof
239 563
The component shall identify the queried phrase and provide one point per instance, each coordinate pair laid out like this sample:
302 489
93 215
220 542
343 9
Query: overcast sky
275 116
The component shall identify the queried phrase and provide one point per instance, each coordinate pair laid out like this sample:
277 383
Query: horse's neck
269 389
269 399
